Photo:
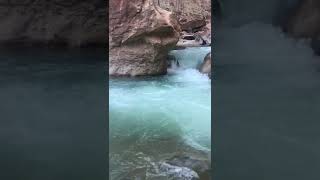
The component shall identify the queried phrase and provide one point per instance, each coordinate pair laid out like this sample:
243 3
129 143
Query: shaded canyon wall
67 22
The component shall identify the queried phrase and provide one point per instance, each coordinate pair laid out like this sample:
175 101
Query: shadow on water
53 114
266 105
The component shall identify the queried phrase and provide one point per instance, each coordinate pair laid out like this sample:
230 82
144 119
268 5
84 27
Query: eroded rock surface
190 40
140 36
201 165
69 22
193 16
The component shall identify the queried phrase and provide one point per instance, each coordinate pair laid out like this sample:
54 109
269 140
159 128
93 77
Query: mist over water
266 101
53 114
153 118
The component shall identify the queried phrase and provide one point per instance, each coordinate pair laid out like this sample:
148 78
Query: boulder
177 172
205 34
140 37
191 23
200 165
161 171
192 15
205 66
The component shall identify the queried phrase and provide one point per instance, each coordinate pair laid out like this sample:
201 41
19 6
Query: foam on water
155 115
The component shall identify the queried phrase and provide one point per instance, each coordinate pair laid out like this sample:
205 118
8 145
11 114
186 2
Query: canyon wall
67 22
191 14
194 17
142 32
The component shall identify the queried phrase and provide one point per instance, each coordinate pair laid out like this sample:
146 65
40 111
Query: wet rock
190 40
169 171
205 34
140 37
162 171
205 66
201 165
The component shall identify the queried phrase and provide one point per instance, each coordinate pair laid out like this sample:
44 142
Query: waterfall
190 58
153 117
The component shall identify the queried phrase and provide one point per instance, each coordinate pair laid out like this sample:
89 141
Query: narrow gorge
160 89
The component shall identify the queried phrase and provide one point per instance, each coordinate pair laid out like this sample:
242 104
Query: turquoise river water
152 118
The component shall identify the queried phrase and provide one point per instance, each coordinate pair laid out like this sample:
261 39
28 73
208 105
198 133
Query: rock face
70 22
190 40
193 16
140 36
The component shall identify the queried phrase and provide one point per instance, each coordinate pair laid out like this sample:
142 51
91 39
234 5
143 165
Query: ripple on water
155 117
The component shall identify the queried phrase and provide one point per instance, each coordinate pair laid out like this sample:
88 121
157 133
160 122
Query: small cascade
190 58
154 117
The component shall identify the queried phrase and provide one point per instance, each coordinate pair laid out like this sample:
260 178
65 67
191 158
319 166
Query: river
53 113
153 118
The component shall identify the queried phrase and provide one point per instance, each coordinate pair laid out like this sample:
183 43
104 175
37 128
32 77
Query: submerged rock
140 37
205 66
177 173
200 165
162 171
